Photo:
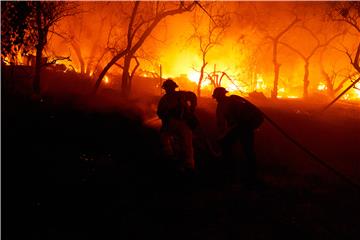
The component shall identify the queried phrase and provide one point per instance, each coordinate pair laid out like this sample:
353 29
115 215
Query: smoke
245 52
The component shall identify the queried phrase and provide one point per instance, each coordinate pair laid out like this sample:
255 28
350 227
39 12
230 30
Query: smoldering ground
81 167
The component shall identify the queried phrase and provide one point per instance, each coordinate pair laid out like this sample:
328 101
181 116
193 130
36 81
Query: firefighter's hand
192 108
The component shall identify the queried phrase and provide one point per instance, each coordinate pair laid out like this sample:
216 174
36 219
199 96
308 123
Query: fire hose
341 94
312 155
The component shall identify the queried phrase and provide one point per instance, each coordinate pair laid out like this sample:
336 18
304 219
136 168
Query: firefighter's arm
220 121
191 97
162 110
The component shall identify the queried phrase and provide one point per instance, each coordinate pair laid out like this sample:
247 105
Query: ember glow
106 80
356 91
193 76
321 87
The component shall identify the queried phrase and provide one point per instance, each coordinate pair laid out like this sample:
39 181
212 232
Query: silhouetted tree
145 16
45 16
14 30
208 38
33 27
275 39
331 77
349 13
307 56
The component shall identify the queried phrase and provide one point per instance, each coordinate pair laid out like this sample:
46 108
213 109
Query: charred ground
85 167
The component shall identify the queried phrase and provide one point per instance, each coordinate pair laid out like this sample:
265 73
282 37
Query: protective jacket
176 111
236 112
178 105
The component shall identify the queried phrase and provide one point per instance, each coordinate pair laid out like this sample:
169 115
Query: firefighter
176 109
237 120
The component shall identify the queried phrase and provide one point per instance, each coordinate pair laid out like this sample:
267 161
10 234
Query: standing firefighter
237 120
176 111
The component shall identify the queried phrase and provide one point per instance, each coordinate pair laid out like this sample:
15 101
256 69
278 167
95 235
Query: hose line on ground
312 155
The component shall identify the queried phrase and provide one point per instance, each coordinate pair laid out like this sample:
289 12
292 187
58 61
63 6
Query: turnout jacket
236 112
177 105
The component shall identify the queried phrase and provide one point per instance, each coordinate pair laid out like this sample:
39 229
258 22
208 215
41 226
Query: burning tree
331 76
274 30
28 24
143 18
209 37
83 39
275 39
349 13
72 36
14 31
307 56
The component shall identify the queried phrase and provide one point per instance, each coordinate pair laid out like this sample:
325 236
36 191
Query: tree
144 17
333 85
45 16
349 13
31 34
14 32
274 21
208 38
307 56
83 38
275 39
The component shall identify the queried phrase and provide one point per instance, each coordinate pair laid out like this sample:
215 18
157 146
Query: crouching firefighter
237 120
176 109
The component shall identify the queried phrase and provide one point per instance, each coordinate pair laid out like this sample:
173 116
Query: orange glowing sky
244 53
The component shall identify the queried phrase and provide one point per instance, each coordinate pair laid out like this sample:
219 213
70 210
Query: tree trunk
39 48
106 68
274 91
200 79
77 50
330 90
306 80
125 84
38 65
329 86
132 48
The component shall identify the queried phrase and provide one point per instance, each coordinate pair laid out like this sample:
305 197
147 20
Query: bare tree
45 17
275 39
333 85
73 35
349 13
71 39
307 56
145 16
38 18
208 38
82 36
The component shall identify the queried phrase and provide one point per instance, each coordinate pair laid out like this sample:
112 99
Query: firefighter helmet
169 84
219 91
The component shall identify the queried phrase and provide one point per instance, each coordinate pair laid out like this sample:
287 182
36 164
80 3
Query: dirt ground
78 169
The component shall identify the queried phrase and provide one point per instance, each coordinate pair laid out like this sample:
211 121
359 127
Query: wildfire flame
193 76
106 80
321 87
240 53
260 83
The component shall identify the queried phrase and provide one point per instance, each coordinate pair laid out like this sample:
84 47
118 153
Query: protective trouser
246 139
179 131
